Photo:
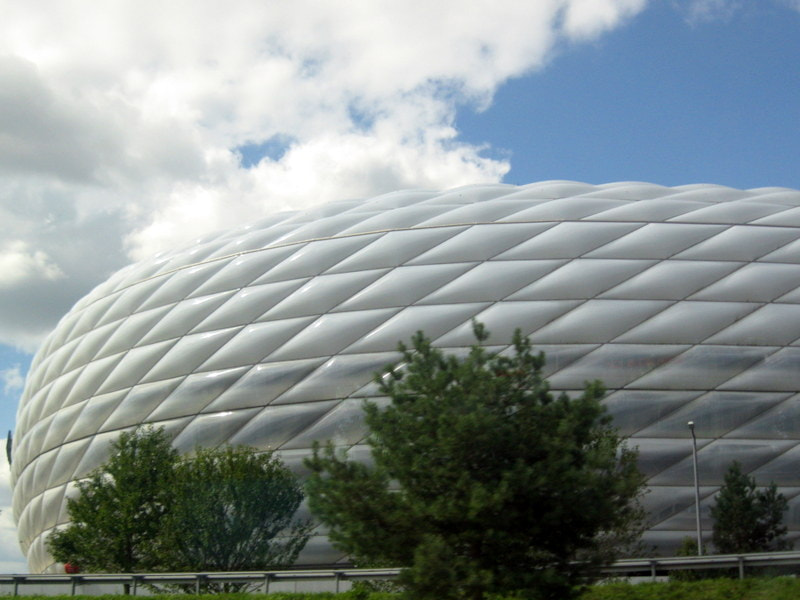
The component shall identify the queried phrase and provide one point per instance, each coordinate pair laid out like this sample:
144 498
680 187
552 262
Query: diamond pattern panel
685 301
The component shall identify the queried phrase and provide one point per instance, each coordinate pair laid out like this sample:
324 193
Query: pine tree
483 481
746 518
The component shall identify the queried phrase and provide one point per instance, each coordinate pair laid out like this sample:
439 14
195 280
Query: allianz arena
685 301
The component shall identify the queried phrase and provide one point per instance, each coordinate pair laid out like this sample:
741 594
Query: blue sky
123 132
660 100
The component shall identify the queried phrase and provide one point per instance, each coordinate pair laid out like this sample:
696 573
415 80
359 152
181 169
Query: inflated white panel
685 301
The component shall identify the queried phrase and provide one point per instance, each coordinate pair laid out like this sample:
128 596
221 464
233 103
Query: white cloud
700 11
12 379
119 122
11 558
18 262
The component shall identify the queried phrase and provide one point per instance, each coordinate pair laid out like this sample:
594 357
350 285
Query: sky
131 127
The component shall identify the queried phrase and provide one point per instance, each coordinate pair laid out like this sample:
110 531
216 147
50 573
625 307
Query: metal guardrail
626 567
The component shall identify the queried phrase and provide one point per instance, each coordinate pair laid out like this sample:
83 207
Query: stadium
684 301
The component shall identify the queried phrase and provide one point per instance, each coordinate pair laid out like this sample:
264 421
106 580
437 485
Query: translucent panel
580 279
433 320
331 333
468 194
397 199
559 357
263 383
686 520
656 455
597 321
731 213
395 248
779 372
322 293
671 280
60 425
781 423
211 430
254 342
503 318
657 240
687 322
323 228
564 209
403 286
92 376
489 282
95 455
276 424
244 269
702 368
195 393
782 470
344 425
189 353
184 316
51 502
130 299
633 410
758 282
790 253
86 350
248 304
128 333
741 242
400 218
316 257
338 378
714 414
180 284
787 218
771 325
480 242
658 209
133 366
631 190
568 240
483 212
615 365
95 411
714 459
139 403
57 393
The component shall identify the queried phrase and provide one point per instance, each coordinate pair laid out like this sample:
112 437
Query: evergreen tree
482 481
748 519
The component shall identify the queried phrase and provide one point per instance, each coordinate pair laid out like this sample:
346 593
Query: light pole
696 491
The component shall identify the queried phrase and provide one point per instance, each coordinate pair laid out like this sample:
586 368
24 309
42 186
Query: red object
71 569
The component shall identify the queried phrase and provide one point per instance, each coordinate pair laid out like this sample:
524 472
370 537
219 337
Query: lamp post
696 491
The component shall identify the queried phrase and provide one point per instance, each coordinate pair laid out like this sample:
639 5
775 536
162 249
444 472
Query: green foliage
747 519
482 481
148 509
120 508
229 507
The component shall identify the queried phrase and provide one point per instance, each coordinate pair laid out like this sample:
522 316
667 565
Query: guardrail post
135 581
338 578
266 582
75 582
653 570
16 584
741 567
197 584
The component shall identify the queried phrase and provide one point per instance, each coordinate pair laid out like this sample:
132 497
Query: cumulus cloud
123 125
12 379
11 558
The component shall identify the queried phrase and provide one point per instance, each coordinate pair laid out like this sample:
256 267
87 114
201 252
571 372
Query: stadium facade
685 301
